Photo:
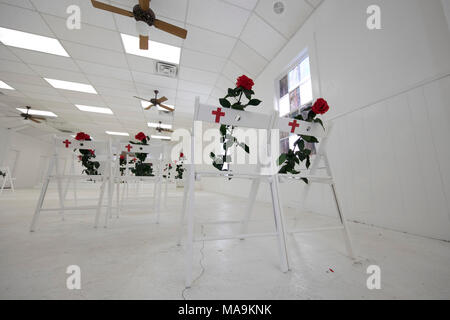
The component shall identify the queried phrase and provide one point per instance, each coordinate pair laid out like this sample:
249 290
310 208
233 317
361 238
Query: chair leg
158 199
99 205
190 228
279 224
38 209
250 205
3 185
183 213
347 238
118 199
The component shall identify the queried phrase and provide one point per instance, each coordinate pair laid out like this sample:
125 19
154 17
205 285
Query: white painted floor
137 259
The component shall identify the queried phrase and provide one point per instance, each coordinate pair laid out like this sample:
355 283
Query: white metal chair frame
312 129
128 178
241 119
6 178
53 173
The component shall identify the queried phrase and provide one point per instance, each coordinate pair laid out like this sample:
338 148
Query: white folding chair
316 173
6 178
54 172
155 152
245 119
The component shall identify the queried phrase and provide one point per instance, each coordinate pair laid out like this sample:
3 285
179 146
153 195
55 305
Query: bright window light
5 86
159 125
72 86
145 104
156 50
161 137
94 109
37 112
31 41
112 133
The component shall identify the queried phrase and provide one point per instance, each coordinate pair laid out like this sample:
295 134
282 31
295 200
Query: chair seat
226 174
311 178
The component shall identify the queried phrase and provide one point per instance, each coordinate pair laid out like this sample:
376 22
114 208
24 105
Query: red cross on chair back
227 116
299 127
218 113
67 143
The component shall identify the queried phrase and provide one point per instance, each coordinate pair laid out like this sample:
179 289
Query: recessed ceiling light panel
94 109
5 86
25 40
72 86
112 133
161 137
156 50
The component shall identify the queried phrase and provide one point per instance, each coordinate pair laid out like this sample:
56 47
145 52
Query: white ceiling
226 38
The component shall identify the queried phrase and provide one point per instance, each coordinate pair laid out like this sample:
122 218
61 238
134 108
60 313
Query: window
294 94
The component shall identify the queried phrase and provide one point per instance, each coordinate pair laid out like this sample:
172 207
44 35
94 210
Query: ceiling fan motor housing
145 16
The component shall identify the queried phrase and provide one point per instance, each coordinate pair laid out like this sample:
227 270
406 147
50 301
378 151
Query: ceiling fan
161 129
157 102
144 16
28 116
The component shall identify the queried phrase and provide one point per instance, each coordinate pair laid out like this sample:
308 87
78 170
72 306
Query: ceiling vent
166 69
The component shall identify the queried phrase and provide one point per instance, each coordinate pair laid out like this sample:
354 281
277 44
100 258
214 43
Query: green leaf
310 139
225 103
223 129
254 102
305 180
244 146
238 106
319 121
282 159
308 162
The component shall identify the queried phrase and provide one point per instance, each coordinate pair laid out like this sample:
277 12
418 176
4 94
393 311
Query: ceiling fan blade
167 108
141 99
38 118
144 4
34 120
150 106
107 7
143 42
170 28
161 100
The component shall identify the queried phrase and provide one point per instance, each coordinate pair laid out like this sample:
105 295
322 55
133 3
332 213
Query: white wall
31 152
389 91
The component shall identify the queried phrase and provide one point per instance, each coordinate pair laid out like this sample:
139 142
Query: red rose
141 136
92 152
122 157
320 106
245 82
80 158
82 136
181 155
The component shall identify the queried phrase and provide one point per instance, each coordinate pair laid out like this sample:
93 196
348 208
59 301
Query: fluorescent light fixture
31 41
159 125
145 104
72 86
94 109
5 86
34 112
112 133
156 50
161 137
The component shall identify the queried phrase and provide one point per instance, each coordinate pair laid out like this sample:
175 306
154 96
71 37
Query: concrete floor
137 259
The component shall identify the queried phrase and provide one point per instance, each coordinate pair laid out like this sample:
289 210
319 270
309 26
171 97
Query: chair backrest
289 125
238 118
155 154
102 149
